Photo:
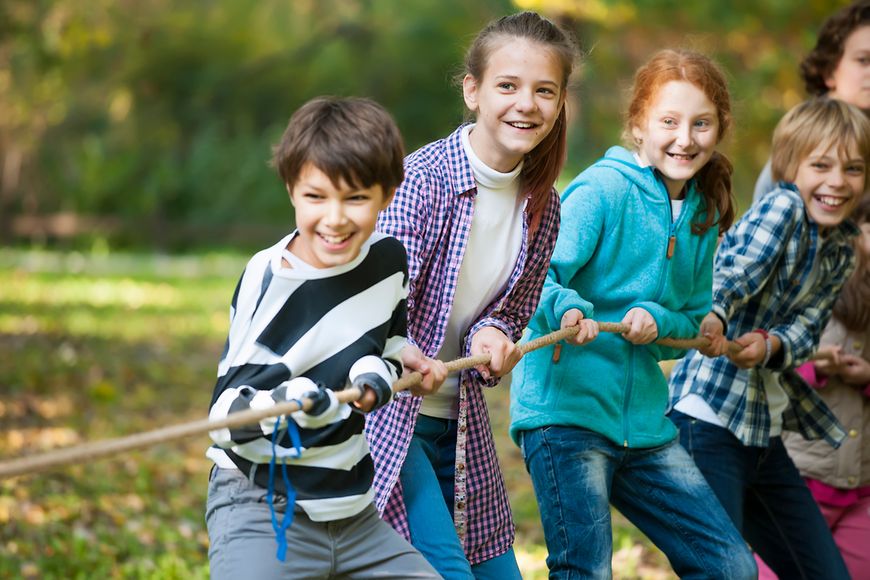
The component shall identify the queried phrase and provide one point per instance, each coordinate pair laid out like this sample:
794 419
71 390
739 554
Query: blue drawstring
281 529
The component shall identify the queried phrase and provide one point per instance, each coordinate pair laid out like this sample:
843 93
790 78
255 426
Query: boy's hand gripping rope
99 449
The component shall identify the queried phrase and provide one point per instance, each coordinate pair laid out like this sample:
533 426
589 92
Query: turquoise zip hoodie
611 256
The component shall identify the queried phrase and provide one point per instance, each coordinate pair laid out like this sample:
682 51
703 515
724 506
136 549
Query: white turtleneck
494 244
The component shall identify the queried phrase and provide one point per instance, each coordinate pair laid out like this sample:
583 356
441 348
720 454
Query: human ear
389 194
637 134
830 82
469 92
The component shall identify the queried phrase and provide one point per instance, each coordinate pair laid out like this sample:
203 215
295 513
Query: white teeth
831 200
334 239
681 157
520 125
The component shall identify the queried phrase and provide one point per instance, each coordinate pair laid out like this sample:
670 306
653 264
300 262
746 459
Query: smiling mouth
334 240
682 156
521 125
830 200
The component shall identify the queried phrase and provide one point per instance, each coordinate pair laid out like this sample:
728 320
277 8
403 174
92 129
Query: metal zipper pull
672 241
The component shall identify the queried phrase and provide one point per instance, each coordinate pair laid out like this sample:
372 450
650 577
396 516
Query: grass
94 346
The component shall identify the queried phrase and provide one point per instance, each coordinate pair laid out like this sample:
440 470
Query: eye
311 196
820 165
855 169
863 60
506 86
703 123
547 91
669 122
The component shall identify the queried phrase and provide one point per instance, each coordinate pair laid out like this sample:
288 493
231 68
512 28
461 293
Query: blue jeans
427 478
768 501
577 473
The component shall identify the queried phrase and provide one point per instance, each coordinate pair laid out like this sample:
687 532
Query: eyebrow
710 113
826 157
516 77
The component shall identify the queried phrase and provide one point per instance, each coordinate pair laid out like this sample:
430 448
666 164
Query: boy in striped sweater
321 310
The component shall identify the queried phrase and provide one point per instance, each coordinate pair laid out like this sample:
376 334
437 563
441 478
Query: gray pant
243 542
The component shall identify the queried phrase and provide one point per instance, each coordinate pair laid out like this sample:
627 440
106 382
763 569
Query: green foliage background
147 124
157 116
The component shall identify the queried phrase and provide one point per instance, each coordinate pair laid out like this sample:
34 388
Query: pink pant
851 529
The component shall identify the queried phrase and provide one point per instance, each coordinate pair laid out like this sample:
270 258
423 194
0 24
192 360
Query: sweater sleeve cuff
568 301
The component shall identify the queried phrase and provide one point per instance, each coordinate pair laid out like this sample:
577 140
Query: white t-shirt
494 245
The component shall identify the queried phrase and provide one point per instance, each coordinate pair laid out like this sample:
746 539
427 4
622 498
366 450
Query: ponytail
714 183
714 179
542 166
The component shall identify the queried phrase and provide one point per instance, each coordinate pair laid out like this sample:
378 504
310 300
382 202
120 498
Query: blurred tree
759 43
161 113
164 112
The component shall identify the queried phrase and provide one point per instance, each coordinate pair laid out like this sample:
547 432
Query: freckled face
679 133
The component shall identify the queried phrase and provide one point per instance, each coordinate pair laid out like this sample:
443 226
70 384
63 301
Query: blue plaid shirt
760 270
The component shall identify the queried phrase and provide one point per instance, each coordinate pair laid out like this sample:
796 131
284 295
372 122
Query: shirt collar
460 171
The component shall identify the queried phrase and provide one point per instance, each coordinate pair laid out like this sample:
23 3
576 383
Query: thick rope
99 449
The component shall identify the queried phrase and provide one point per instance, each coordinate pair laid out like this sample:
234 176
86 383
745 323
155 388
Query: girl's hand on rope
713 330
855 370
642 326
433 370
505 354
588 328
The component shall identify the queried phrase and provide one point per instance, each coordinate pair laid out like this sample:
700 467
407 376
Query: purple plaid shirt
431 214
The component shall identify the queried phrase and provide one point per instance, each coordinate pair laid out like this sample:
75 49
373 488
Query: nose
836 177
526 101
684 136
335 215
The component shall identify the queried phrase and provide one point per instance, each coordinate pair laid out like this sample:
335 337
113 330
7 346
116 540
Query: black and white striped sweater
292 328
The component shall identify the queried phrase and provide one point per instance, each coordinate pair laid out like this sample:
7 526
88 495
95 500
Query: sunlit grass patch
96 347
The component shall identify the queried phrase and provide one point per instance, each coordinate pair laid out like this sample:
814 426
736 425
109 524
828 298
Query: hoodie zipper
669 253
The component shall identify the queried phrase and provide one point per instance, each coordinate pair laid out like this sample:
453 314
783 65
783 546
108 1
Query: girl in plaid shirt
478 215
777 274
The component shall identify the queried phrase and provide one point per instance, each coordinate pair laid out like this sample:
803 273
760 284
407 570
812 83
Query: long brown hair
714 178
542 165
853 306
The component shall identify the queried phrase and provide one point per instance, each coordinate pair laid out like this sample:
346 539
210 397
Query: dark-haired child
322 309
